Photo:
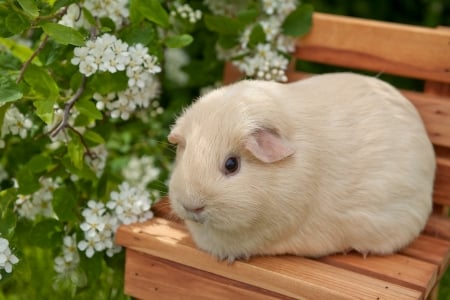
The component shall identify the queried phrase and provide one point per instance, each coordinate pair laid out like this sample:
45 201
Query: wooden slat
400 269
398 49
430 249
288 275
435 112
438 226
442 182
149 277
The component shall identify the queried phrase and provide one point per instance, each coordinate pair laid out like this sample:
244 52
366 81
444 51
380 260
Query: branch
88 152
67 107
28 61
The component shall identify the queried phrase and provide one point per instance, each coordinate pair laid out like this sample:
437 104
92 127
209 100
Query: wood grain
149 277
404 50
287 275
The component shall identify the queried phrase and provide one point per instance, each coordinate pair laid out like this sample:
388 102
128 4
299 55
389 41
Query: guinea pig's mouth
197 217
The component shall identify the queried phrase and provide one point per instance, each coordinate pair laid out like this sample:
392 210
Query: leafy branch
29 60
67 107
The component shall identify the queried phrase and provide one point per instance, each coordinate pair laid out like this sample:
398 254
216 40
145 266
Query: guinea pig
324 165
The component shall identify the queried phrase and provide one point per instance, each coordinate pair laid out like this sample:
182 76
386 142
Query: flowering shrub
88 90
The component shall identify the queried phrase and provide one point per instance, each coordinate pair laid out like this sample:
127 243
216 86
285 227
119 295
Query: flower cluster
175 60
140 171
116 10
7 258
185 11
40 202
15 123
69 260
109 54
266 60
99 227
128 205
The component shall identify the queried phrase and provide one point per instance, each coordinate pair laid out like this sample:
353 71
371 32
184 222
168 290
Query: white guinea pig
323 165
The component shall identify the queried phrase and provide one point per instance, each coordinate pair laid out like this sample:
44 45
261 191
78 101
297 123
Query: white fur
360 175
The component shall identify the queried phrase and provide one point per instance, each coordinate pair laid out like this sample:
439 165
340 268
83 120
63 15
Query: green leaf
223 25
179 41
63 34
9 90
28 182
143 32
88 16
85 172
39 79
248 16
4 12
9 62
228 41
16 23
105 82
153 11
64 204
8 216
20 51
92 266
30 7
298 22
39 163
93 137
45 110
46 233
3 109
257 36
88 108
76 153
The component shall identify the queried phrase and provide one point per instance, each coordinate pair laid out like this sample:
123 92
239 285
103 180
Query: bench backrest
389 48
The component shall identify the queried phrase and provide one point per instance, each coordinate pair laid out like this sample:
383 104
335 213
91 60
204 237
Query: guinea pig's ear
174 137
267 146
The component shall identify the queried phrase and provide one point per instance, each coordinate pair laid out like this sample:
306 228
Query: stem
67 107
28 61
88 152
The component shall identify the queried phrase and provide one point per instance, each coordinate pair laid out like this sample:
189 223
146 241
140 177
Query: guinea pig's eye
231 165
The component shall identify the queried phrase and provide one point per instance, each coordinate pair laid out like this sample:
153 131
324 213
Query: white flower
186 12
92 225
3 174
40 202
130 204
141 171
98 160
69 260
175 59
103 100
16 123
88 245
7 258
70 251
109 54
94 209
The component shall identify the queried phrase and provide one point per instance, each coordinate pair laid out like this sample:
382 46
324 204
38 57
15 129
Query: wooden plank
438 226
404 50
149 277
442 182
400 269
288 275
430 249
435 112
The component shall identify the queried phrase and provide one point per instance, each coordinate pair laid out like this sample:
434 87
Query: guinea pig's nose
194 208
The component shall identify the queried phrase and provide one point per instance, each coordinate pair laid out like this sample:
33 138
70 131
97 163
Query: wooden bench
163 263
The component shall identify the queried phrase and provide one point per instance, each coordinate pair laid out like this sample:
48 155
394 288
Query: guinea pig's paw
230 259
